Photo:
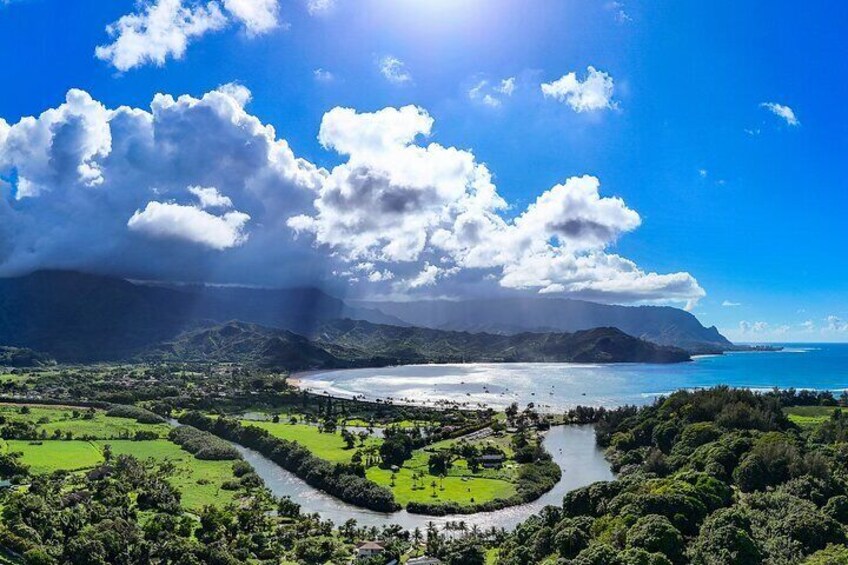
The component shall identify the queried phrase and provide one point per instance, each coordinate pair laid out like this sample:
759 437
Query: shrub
203 444
137 413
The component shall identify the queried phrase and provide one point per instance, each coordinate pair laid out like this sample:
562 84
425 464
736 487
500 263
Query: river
572 447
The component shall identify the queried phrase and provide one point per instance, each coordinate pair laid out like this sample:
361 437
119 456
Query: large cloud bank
199 189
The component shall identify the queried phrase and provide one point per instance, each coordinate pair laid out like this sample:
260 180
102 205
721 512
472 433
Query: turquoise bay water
557 386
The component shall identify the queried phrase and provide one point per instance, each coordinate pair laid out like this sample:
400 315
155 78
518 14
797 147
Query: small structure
369 549
424 560
491 461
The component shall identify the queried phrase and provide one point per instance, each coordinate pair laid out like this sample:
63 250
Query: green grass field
189 472
807 416
62 418
51 455
460 485
330 447
465 490
199 481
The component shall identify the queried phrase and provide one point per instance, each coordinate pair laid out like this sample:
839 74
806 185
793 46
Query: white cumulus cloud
209 197
160 30
197 188
163 29
258 16
185 172
593 93
319 7
397 202
836 324
746 327
394 70
491 95
784 112
168 220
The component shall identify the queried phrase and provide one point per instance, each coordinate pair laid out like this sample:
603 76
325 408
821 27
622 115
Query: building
424 560
369 549
491 461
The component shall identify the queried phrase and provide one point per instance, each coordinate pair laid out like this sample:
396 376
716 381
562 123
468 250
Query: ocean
559 386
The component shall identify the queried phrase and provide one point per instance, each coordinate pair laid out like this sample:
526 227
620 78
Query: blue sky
749 203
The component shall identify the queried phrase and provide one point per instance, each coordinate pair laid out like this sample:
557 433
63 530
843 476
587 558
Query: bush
137 413
241 468
655 534
203 444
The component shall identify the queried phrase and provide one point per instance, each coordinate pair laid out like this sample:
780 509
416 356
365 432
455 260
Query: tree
396 449
439 462
656 534
466 551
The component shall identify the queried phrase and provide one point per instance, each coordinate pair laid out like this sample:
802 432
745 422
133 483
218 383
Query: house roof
370 545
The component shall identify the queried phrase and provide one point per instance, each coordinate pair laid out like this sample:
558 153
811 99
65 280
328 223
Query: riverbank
572 448
432 468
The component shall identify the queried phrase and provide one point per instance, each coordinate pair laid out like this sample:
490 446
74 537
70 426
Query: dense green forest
714 477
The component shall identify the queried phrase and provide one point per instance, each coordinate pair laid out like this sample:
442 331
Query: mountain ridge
663 325
77 317
357 343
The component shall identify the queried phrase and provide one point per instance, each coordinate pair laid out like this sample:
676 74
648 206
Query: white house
369 549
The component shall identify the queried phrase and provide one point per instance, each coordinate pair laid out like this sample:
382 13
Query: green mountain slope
351 343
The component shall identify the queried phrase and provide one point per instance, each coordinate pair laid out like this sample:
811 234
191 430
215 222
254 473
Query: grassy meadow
412 482
809 416
199 481
328 446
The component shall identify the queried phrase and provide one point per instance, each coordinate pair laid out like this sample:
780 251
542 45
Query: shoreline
296 379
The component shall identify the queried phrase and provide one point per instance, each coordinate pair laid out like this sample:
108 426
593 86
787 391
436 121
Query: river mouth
573 448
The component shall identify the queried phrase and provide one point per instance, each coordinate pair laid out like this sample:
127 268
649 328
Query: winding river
572 447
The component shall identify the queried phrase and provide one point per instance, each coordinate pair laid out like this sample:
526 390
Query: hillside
78 317
659 324
402 345
238 342
23 357
349 343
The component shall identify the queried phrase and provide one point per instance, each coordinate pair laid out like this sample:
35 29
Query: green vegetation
30 430
329 446
809 416
343 481
357 343
200 483
23 357
54 455
127 512
375 344
459 484
715 477
203 445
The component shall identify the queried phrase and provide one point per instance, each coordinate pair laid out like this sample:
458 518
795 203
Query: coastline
296 379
